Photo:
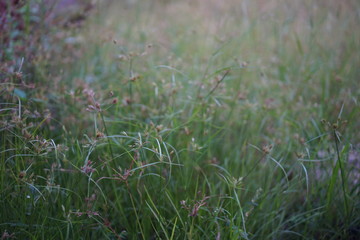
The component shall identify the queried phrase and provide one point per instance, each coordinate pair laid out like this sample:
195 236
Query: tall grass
186 120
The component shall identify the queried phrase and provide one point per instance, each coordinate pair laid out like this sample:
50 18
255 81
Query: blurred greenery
180 119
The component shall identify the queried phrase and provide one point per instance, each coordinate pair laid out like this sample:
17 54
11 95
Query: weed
199 120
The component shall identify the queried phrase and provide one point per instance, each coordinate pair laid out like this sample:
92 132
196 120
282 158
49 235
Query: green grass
185 120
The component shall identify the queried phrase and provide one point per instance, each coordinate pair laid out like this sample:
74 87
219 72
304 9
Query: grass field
181 120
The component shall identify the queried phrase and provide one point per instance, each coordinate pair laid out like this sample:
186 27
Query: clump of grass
188 128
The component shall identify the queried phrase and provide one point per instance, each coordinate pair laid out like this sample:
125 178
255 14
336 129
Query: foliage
180 120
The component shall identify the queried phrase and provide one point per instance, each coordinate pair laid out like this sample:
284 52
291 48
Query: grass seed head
267 149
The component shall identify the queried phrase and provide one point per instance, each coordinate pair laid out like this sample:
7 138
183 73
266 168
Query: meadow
180 119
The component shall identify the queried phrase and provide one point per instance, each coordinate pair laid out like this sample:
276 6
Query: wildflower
237 182
91 108
194 210
183 203
159 127
187 131
99 134
300 155
22 174
94 108
89 93
197 206
88 168
126 101
26 134
135 77
267 148
18 75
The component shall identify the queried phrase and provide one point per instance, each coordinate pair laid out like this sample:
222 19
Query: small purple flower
88 168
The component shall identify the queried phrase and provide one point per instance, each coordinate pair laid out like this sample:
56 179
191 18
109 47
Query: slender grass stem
342 172
107 134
